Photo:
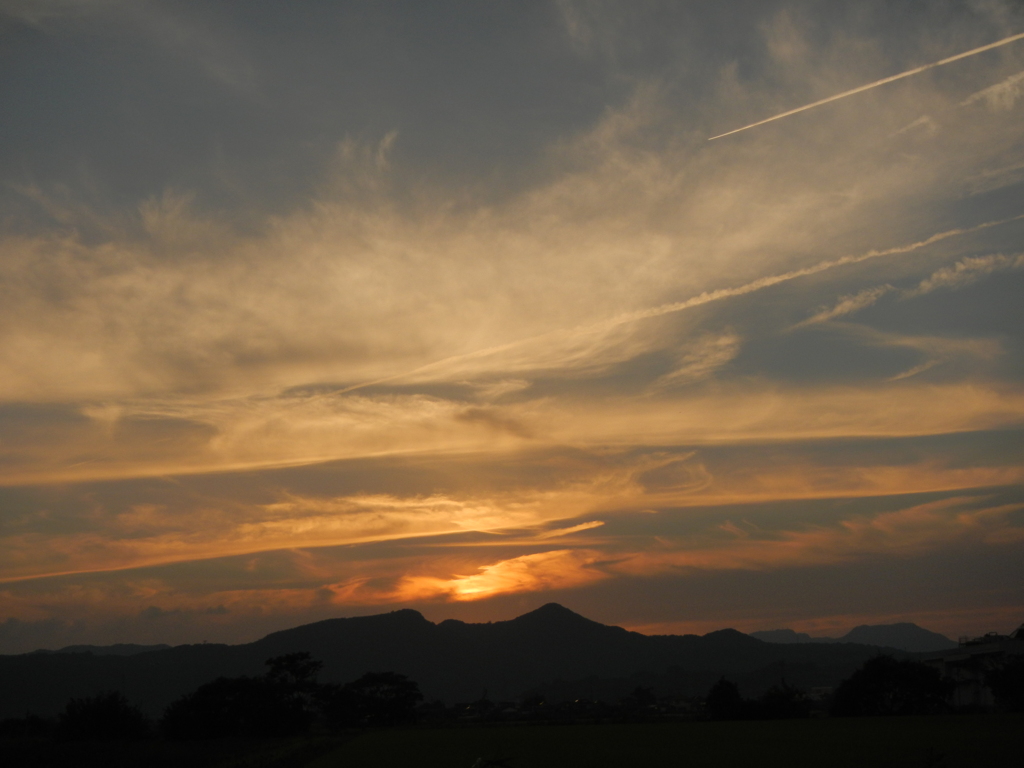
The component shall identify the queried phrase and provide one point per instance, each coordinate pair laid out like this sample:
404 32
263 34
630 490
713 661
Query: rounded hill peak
555 615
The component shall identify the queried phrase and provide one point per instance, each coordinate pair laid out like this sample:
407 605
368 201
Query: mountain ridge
117 649
451 660
905 636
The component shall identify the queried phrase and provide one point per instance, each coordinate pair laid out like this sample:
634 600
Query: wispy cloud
148 535
925 366
111 535
571 529
925 123
558 569
848 304
481 360
907 532
183 34
700 360
965 272
990 179
1001 96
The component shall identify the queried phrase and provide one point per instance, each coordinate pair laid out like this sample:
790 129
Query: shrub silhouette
885 686
29 726
103 717
640 700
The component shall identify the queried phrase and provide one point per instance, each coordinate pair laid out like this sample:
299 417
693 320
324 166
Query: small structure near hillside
971 662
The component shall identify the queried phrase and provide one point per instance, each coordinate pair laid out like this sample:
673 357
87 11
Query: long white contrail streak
883 81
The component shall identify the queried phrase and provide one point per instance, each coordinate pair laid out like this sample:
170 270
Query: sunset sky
318 309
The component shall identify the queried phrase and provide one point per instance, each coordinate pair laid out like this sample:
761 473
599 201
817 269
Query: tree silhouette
782 701
227 706
298 670
286 700
724 701
1007 684
643 697
102 717
885 686
376 698
283 702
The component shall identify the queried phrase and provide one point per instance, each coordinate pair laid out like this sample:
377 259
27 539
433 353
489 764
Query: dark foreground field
950 741
984 741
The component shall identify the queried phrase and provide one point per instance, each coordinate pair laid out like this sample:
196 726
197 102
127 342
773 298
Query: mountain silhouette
788 636
118 649
904 636
551 648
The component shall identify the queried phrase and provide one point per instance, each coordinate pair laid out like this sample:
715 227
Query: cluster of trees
288 699
285 701
1007 684
103 717
882 686
885 686
641 705
778 702
107 716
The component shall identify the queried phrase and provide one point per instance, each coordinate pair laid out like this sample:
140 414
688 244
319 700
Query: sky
320 309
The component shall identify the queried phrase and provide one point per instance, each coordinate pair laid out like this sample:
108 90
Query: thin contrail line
883 81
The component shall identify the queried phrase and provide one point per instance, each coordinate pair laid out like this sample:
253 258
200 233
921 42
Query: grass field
988 741
982 741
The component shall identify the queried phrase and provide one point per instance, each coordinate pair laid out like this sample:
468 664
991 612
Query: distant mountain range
118 649
905 636
551 650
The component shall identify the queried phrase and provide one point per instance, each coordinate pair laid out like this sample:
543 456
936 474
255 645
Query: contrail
883 81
